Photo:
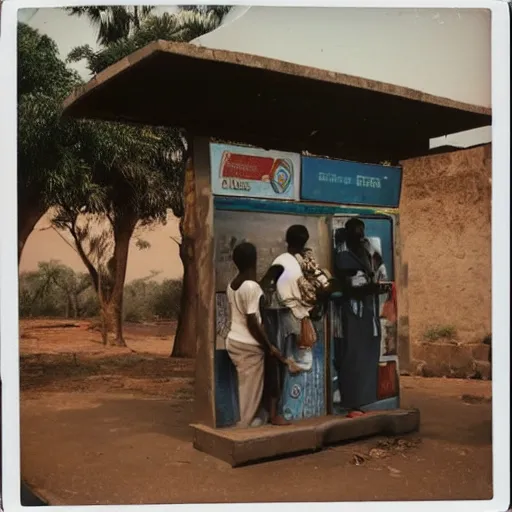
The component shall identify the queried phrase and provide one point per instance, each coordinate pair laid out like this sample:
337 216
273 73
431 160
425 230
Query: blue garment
303 393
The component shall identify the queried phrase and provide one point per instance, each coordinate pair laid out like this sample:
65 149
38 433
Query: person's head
339 237
354 229
297 237
244 257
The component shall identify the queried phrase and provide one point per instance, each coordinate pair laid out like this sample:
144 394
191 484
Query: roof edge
257 62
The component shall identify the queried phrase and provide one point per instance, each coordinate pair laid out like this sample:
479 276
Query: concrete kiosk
274 117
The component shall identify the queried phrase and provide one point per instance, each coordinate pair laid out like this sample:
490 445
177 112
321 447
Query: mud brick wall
446 243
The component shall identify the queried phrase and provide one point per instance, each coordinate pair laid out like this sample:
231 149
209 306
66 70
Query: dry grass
57 356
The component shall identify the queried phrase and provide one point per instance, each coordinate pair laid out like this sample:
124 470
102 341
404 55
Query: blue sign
344 182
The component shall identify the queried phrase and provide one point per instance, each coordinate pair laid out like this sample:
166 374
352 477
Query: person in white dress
247 343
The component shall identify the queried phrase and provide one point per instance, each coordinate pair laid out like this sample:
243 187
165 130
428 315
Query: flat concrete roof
269 103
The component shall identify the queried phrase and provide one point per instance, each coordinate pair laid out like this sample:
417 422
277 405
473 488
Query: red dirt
110 426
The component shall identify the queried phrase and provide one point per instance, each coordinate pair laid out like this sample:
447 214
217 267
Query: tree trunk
185 339
68 305
107 324
111 302
30 212
117 317
136 20
123 231
74 306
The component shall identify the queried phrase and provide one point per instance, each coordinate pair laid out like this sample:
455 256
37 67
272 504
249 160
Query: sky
46 243
443 52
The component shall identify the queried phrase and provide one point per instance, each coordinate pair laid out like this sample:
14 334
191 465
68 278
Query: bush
441 332
166 302
147 300
55 290
89 306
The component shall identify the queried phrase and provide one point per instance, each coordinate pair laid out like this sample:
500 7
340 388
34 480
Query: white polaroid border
500 260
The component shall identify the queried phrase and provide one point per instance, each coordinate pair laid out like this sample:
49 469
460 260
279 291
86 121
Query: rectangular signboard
252 172
344 182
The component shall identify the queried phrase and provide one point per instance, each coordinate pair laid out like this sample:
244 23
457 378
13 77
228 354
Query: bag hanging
307 333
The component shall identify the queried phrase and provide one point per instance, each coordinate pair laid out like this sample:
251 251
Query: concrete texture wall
446 242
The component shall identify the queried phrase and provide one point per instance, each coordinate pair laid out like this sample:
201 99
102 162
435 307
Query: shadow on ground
133 450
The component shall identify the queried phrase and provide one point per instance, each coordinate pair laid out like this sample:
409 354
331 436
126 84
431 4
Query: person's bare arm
269 280
359 292
257 332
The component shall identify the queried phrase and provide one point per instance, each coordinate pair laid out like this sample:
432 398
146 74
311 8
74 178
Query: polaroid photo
248 255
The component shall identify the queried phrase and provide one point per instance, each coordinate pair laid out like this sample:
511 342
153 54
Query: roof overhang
269 103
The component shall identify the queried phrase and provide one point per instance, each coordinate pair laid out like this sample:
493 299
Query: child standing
247 343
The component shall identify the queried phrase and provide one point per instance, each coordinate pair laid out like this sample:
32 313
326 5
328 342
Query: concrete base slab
242 446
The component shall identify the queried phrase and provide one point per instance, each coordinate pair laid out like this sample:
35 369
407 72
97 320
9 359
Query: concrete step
238 446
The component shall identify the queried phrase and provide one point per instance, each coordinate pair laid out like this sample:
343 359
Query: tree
188 23
148 300
115 22
197 20
71 284
53 290
50 158
136 170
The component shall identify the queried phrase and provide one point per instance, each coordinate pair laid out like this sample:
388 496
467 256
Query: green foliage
146 300
40 68
115 22
197 20
440 332
139 169
166 27
51 164
55 290
187 24
89 166
130 175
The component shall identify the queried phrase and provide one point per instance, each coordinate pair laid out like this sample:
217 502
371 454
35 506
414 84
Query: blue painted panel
344 182
383 229
226 390
264 206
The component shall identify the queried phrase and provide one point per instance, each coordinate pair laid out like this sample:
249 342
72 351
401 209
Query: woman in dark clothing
357 346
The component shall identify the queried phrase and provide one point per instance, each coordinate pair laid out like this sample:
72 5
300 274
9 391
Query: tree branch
174 239
86 261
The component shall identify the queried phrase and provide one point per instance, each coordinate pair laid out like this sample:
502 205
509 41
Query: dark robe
357 346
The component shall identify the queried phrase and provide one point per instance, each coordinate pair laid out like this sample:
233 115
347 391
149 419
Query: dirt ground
110 426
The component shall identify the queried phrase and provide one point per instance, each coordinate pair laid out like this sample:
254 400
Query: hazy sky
46 243
445 52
